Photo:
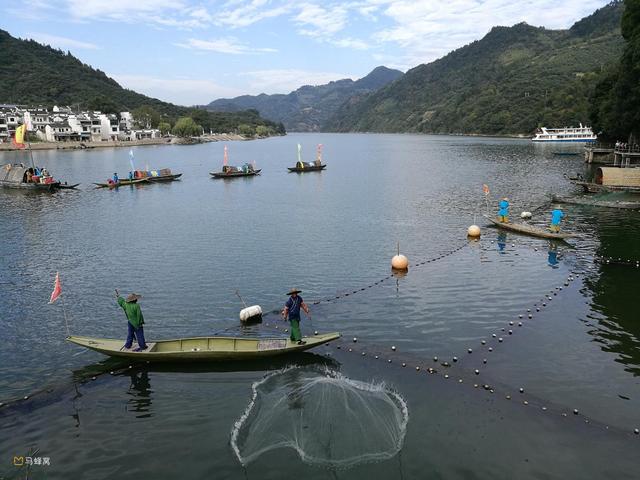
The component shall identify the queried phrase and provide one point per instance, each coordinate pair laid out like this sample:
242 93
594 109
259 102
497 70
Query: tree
186 127
615 108
246 130
164 127
102 104
146 117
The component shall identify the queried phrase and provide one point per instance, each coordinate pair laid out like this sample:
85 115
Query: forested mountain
616 102
309 107
509 82
35 74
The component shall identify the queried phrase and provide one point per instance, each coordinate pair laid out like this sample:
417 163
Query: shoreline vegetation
216 137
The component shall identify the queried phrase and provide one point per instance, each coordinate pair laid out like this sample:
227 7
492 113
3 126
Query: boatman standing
556 217
135 321
503 213
292 312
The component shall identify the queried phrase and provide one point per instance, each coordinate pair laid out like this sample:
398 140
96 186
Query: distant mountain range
308 108
512 81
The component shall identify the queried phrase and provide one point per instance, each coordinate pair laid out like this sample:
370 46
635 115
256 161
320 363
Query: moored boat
229 171
529 229
594 202
17 175
566 134
302 167
204 348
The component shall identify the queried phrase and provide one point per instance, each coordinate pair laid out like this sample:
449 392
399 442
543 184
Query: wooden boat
65 186
235 174
204 348
529 229
591 187
597 203
307 167
228 171
566 154
165 178
302 167
162 175
122 183
16 175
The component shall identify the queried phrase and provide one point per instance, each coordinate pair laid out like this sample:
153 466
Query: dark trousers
138 333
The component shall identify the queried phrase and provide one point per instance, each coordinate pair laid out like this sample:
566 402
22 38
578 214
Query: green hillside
35 74
512 81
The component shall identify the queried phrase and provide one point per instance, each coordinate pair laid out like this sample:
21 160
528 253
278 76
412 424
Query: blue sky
192 52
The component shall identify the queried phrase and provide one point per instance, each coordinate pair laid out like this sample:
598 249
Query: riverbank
216 137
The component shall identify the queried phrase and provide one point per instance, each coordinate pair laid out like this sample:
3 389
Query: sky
192 52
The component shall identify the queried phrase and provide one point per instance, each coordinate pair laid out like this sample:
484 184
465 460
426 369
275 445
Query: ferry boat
566 134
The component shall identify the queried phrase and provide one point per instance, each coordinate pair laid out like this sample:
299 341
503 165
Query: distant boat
228 171
566 134
17 175
162 175
308 166
205 348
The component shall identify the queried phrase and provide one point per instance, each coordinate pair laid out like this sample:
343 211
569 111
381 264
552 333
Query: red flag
57 290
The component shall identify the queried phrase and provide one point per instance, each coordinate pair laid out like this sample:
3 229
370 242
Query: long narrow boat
122 183
165 178
232 174
591 187
161 175
204 348
65 186
529 230
592 202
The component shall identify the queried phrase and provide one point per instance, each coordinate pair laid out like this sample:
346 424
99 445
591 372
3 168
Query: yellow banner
20 131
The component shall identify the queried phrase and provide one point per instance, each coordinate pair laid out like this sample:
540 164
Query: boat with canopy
229 171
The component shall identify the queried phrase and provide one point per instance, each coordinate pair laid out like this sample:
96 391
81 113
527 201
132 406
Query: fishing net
330 420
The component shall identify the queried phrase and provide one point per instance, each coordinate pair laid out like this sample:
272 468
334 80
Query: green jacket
133 312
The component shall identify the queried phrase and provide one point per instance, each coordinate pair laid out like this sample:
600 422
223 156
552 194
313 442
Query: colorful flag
485 189
299 153
133 167
57 290
18 139
226 156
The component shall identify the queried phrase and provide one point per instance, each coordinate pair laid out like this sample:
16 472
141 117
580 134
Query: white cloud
428 30
242 14
61 42
287 80
322 21
228 45
182 91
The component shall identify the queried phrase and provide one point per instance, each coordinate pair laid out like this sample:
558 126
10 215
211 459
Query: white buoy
473 231
399 262
525 215
251 314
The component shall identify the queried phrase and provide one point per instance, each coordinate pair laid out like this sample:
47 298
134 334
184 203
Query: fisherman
556 217
292 312
135 321
130 176
503 213
115 178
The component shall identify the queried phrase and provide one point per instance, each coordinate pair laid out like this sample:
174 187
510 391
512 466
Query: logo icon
18 461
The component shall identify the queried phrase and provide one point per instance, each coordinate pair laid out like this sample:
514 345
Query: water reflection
552 258
502 241
140 392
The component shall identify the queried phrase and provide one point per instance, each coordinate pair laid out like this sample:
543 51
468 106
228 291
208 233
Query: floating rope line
616 261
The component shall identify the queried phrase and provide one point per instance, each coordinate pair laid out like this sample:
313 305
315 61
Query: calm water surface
188 246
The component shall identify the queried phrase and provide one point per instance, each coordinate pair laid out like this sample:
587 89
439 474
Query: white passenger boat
566 134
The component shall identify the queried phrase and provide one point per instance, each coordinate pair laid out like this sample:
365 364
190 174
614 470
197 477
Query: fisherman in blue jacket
556 217
503 213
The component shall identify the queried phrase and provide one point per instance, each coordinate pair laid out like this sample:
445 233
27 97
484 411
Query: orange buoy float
399 262
473 231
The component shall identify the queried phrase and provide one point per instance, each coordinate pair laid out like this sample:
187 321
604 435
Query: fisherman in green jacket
135 321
